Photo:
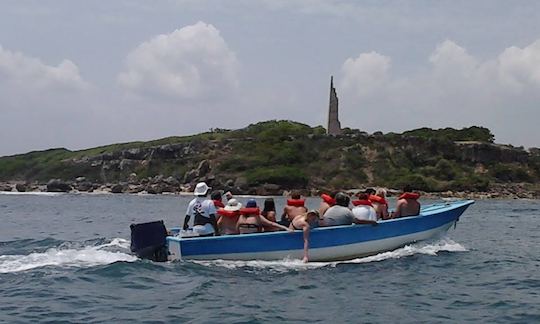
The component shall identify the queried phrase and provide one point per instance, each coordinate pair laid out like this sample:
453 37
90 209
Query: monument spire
334 126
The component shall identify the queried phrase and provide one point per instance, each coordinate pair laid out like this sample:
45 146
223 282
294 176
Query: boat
326 243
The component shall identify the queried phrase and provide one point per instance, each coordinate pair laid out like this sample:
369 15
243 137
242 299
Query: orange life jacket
250 211
228 213
409 195
362 203
377 199
218 203
327 199
296 202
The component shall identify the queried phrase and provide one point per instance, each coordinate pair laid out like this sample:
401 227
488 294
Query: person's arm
238 225
186 222
214 224
266 222
305 229
384 211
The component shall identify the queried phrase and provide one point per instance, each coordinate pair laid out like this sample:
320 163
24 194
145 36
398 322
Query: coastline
499 191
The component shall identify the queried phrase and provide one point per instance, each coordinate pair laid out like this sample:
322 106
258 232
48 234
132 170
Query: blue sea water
65 258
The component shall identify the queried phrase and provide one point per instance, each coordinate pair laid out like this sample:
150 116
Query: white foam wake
431 248
87 256
31 193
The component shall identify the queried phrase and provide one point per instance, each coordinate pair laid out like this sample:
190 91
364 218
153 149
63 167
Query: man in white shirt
203 212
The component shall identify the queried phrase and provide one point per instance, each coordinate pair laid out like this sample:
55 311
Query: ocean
64 258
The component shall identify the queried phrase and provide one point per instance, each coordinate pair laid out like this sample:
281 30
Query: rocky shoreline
170 185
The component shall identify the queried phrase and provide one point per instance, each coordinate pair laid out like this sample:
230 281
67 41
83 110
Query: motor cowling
148 241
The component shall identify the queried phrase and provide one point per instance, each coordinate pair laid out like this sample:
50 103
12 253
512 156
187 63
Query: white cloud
193 62
24 72
454 89
365 74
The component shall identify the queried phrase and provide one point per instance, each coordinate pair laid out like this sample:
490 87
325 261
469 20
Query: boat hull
326 243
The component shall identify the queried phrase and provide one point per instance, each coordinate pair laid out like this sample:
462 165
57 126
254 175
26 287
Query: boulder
171 181
272 189
5 187
203 168
154 189
132 178
135 188
21 187
57 185
190 176
85 186
241 183
117 188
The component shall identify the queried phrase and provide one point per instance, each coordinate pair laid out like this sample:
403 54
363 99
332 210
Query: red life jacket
228 213
362 203
377 199
250 211
218 203
296 202
327 199
409 195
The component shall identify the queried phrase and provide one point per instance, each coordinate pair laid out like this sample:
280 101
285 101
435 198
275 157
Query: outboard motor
148 241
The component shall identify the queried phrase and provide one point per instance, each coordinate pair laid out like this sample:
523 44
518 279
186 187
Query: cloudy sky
78 74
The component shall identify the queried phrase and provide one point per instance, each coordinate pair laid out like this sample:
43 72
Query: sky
79 74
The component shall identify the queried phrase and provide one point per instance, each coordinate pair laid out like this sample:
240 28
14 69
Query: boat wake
68 256
430 248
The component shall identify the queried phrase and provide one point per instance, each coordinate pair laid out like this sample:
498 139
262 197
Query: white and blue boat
326 243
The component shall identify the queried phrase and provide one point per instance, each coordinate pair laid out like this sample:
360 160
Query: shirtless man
407 204
305 222
295 206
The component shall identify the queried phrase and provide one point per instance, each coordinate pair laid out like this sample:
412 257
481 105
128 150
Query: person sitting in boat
203 212
370 191
306 222
363 210
269 212
327 202
407 204
295 206
251 220
339 214
229 217
216 198
378 200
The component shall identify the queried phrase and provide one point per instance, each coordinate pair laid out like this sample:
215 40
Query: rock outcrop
58 185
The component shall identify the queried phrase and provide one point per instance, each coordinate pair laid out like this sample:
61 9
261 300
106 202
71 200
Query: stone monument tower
334 126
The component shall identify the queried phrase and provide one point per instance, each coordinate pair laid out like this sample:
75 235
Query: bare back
381 210
227 224
293 211
407 207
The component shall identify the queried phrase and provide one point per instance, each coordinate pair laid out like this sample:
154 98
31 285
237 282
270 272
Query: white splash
286 265
31 193
87 256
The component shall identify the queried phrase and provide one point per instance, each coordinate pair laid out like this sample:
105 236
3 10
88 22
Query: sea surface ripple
65 258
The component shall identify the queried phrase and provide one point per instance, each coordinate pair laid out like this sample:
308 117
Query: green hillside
279 155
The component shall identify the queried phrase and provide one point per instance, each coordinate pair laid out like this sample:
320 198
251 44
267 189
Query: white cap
201 189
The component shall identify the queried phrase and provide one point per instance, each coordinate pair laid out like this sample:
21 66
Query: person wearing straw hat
229 217
203 212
